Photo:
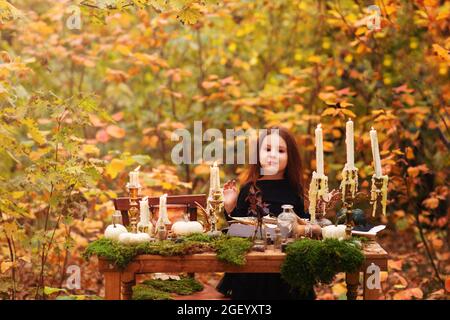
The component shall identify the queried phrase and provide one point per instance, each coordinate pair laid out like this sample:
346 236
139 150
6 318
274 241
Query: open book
372 233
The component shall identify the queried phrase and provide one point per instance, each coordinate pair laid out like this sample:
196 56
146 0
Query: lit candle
134 177
349 140
375 152
319 150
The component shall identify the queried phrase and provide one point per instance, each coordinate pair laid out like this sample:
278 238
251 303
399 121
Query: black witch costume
268 196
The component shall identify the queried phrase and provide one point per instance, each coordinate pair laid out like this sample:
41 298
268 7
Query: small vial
277 240
162 232
268 238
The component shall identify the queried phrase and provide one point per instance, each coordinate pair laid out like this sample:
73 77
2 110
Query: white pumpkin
113 231
184 228
134 238
334 232
124 238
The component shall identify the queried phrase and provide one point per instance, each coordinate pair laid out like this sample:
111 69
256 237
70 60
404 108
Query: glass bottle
286 221
277 240
117 217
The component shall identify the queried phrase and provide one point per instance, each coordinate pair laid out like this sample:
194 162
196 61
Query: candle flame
215 163
372 128
137 169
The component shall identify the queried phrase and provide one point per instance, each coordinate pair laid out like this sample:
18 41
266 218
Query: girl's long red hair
294 169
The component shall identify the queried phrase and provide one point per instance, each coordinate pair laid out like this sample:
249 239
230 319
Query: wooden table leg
112 285
372 286
128 281
352 280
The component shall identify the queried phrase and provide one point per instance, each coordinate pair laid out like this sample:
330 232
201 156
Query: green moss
309 262
112 250
156 289
184 286
229 249
143 292
232 249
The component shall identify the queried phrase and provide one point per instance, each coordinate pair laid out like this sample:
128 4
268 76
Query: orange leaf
328 112
409 294
441 52
348 113
117 116
431 203
102 136
115 131
395 265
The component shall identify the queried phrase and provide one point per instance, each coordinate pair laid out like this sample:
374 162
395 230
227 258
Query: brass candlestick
216 212
133 212
349 187
378 194
318 190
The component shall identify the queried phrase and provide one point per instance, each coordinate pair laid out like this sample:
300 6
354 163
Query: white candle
134 177
375 152
349 141
163 210
214 178
319 150
145 212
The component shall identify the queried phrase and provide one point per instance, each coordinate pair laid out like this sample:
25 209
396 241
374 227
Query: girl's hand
230 195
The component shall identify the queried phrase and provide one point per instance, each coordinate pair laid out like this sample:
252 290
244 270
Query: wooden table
118 284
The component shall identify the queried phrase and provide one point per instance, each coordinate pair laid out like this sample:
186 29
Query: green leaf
141 159
49 290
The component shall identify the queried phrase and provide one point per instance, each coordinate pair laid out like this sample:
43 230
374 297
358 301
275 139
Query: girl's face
273 154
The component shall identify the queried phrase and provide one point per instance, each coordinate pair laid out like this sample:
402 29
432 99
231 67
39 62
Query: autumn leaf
33 130
115 167
409 294
189 15
116 76
431 203
329 112
441 52
102 136
115 131
5 266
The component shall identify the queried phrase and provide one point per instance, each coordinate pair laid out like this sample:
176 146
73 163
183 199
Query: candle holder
216 212
378 193
318 190
133 191
259 242
349 188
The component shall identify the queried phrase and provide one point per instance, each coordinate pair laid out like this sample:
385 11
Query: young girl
278 176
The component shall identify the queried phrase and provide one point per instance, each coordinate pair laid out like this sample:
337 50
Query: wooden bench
187 201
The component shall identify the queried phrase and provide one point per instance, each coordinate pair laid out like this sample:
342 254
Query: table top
269 261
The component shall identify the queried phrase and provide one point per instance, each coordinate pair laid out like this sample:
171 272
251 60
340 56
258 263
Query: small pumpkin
113 231
334 232
133 238
184 228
